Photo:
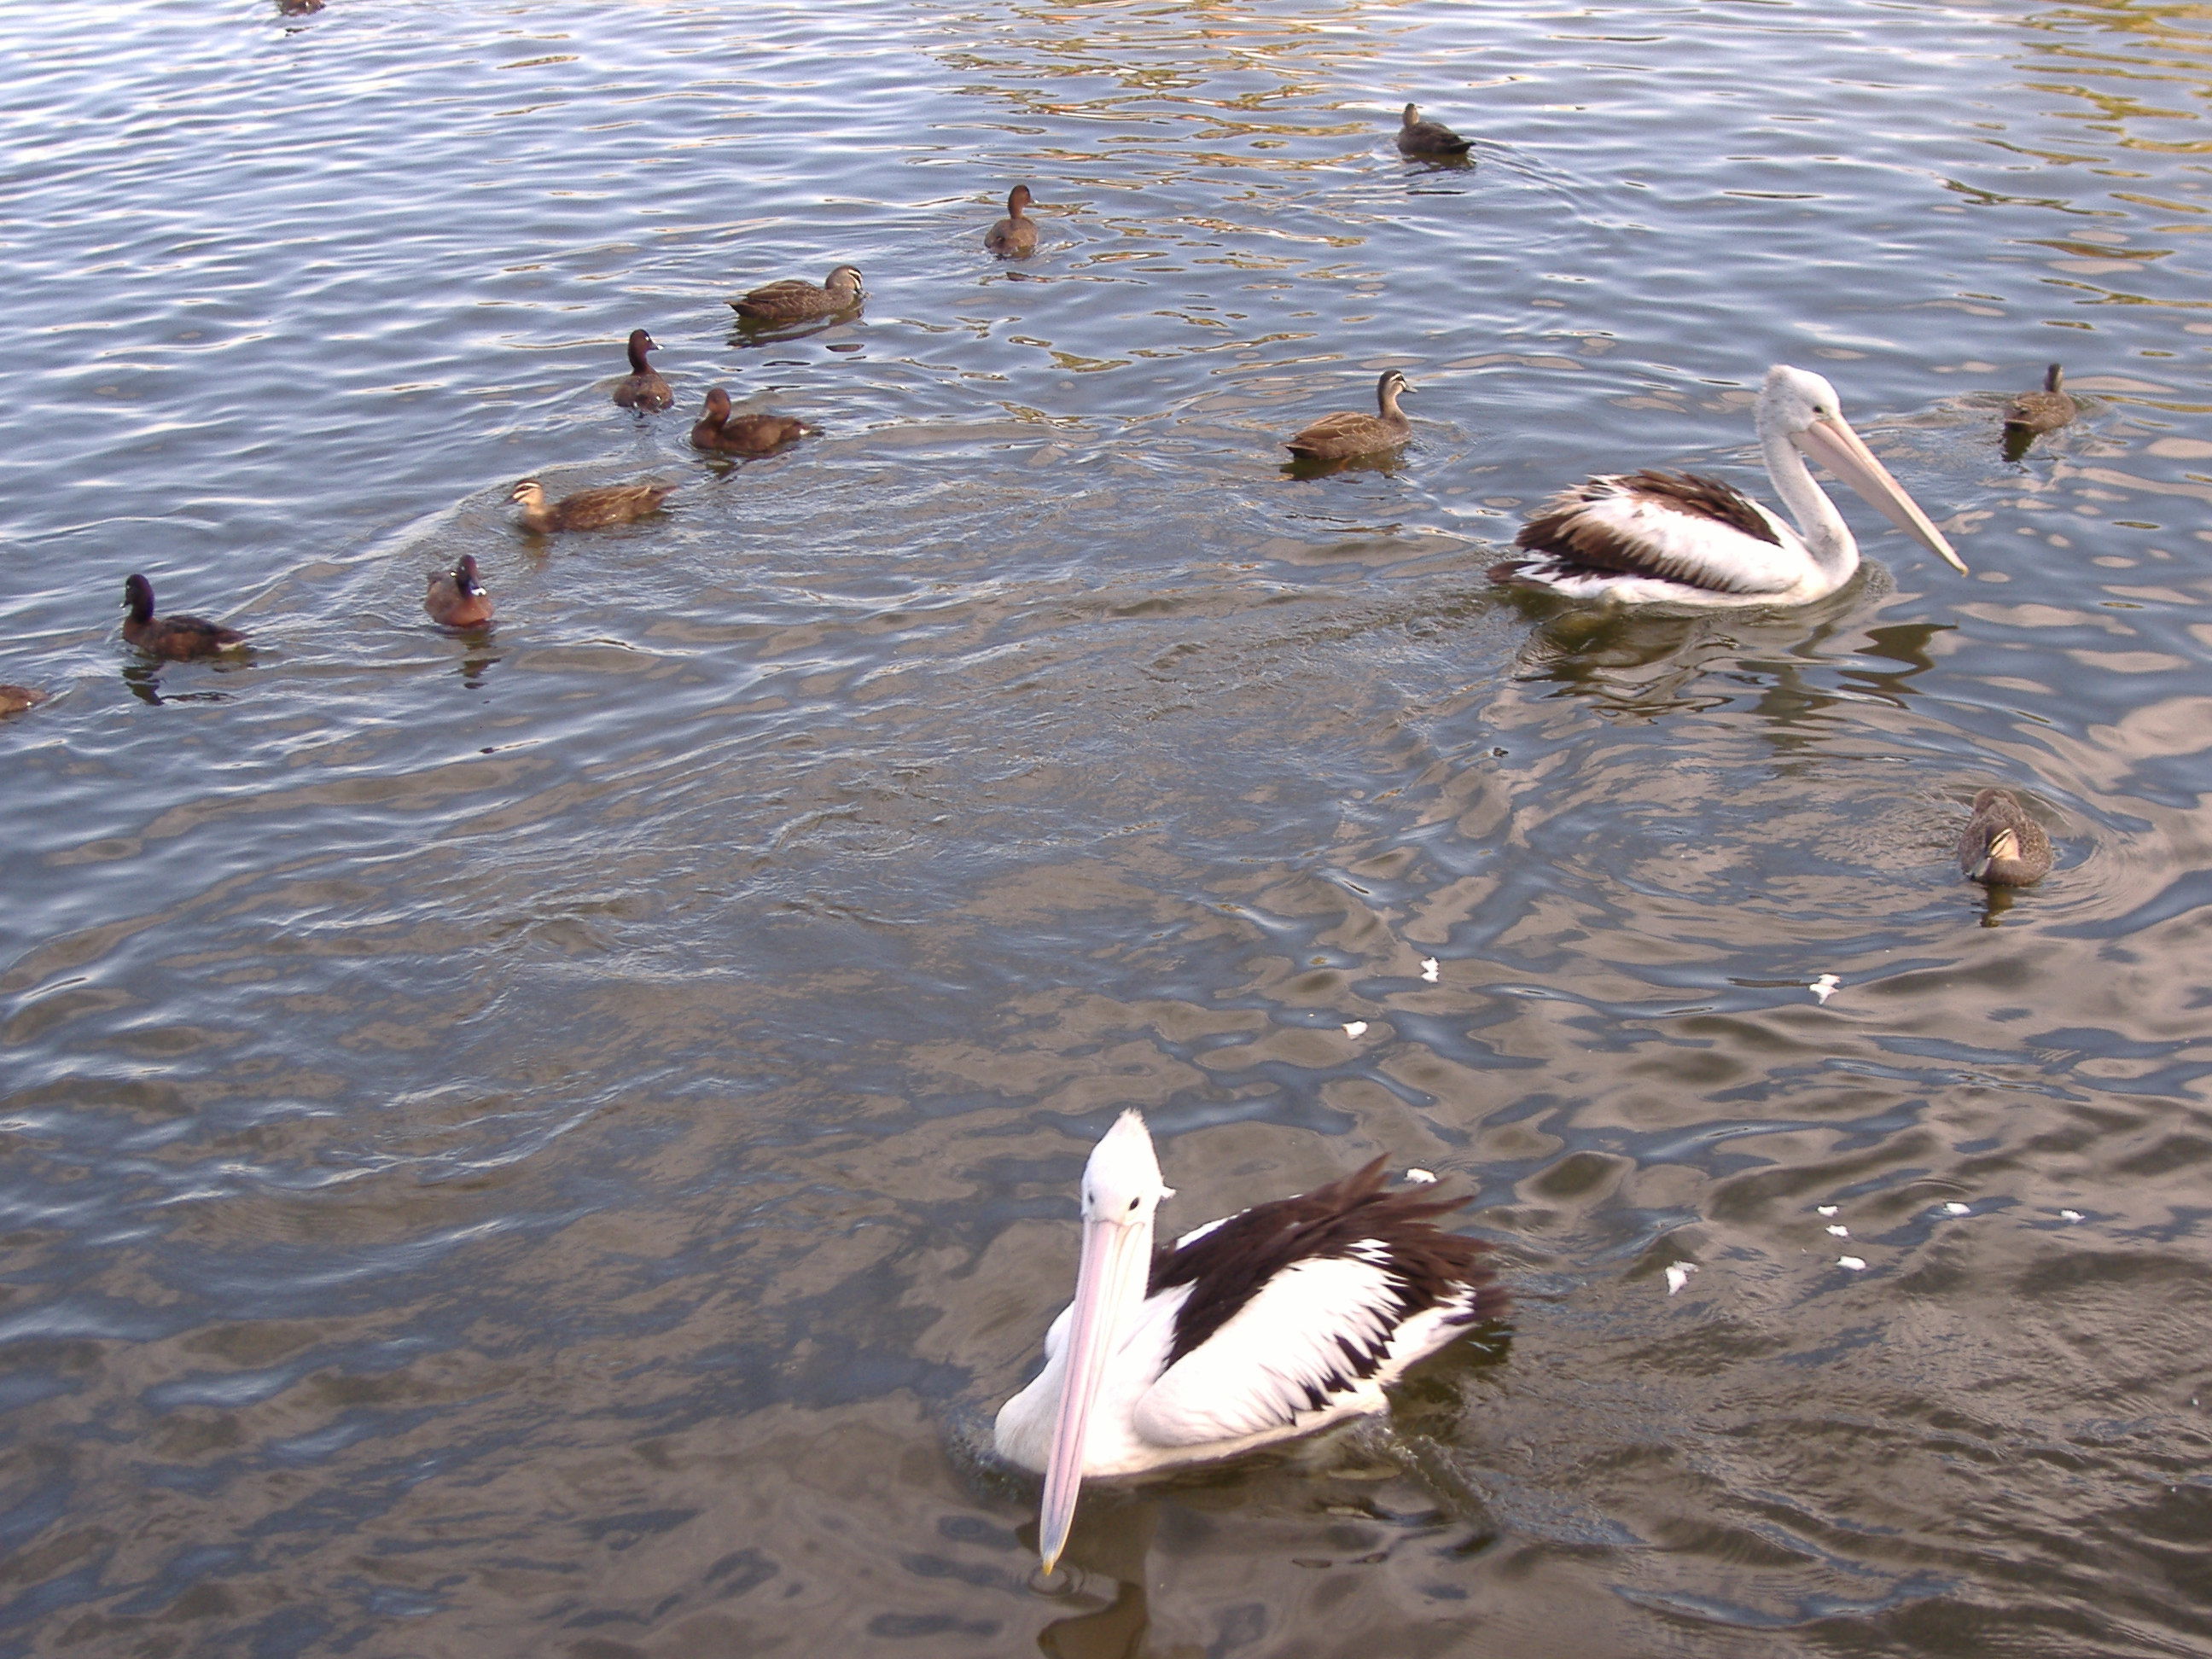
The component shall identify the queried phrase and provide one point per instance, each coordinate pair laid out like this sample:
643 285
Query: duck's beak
1833 444
1113 1254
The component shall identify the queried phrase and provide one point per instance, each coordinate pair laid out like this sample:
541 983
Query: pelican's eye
1132 1203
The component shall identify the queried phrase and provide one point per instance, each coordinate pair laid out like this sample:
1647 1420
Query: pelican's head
1122 1183
1804 407
1122 1189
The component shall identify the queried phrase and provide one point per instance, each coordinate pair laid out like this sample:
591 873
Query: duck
174 637
1340 436
745 434
795 301
15 699
1428 138
587 509
457 599
1013 237
642 388
2045 411
1677 538
2002 846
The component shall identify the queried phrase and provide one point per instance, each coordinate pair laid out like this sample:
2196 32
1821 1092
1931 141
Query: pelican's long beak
1833 444
1112 1252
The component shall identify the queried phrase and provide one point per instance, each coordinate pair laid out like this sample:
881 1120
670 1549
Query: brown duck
2045 411
642 388
15 699
1428 138
1013 237
2002 846
587 509
794 301
174 637
1340 436
745 434
457 599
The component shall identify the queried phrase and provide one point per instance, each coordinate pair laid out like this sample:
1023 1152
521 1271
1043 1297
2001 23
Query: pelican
1263 1326
1647 537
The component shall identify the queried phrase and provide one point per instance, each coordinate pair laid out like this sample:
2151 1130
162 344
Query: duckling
794 301
458 599
1428 138
1340 436
587 509
2002 846
1013 237
174 637
643 388
745 434
2042 411
15 699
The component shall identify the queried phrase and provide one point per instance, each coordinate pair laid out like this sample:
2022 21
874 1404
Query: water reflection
143 675
1112 1540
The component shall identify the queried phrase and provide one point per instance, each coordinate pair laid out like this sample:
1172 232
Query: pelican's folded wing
1317 1330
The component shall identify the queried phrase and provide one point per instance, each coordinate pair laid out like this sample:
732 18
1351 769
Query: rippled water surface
556 1141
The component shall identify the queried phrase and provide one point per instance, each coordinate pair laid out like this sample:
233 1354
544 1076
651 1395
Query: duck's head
138 596
641 342
465 574
718 405
844 276
529 492
1018 198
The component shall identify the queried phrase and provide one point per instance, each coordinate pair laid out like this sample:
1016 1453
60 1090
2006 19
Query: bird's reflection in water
481 653
1995 901
1110 1543
141 676
1387 462
1642 664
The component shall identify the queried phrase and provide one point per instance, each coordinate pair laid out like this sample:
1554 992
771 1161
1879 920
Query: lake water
557 1142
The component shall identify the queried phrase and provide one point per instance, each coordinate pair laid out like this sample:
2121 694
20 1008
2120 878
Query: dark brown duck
15 699
1339 437
1431 139
587 509
795 301
174 637
2045 411
1013 237
745 434
457 599
2002 846
642 388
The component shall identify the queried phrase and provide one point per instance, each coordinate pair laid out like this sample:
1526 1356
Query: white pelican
1268 1324
1645 537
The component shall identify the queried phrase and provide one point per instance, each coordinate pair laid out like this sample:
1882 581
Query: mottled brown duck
642 388
745 434
457 599
15 699
2002 846
1339 437
1013 237
174 637
2045 411
587 509
795 301
1431 139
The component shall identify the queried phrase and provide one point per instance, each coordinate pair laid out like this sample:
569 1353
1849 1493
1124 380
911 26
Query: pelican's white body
1244 1387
